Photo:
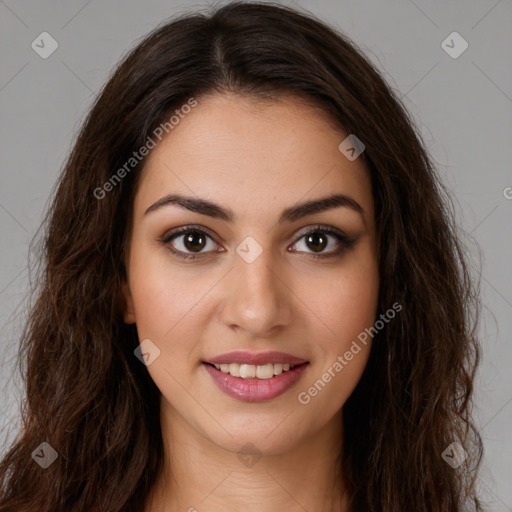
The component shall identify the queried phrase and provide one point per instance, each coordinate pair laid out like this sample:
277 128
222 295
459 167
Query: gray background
463 108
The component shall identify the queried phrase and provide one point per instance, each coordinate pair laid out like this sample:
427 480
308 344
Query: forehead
252 155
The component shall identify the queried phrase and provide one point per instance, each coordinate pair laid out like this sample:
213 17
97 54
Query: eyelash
345 241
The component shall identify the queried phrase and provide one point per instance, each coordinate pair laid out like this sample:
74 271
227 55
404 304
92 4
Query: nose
258 296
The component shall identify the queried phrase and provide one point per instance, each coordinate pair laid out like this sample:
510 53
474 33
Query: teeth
265 371
278 369
247 371
250 371
233 369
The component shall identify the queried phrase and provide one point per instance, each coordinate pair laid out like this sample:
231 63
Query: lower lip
255 390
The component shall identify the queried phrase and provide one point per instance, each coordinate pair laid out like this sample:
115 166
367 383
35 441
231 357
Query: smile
255 382
250 371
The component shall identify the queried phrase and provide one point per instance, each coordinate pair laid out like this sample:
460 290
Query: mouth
251 371
255 377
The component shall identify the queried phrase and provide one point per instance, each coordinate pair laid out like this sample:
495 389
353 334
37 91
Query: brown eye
189 242
316 241
194 241
324 242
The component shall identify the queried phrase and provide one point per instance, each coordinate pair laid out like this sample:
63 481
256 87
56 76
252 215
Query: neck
201 475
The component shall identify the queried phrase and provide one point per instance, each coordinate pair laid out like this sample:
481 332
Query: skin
256 159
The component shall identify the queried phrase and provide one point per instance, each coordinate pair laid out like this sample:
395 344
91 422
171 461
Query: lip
255 358
255 390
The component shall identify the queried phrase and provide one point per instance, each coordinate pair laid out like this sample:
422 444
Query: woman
253 293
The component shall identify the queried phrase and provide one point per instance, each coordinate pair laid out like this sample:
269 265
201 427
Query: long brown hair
92 400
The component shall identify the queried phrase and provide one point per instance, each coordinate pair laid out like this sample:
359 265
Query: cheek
357 298
345 302
167 301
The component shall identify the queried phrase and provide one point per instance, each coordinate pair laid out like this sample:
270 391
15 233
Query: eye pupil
190 240
314 238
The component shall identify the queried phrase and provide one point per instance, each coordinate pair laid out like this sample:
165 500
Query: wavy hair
92 400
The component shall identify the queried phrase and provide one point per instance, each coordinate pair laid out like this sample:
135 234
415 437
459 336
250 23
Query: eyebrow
291 214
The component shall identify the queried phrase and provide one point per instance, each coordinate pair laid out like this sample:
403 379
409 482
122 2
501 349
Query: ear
128 309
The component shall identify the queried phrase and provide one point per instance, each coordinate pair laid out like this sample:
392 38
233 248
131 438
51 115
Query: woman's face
257 283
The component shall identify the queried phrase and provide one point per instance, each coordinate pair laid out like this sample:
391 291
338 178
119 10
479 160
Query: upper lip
255 358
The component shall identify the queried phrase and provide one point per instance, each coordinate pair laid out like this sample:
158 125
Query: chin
272 436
